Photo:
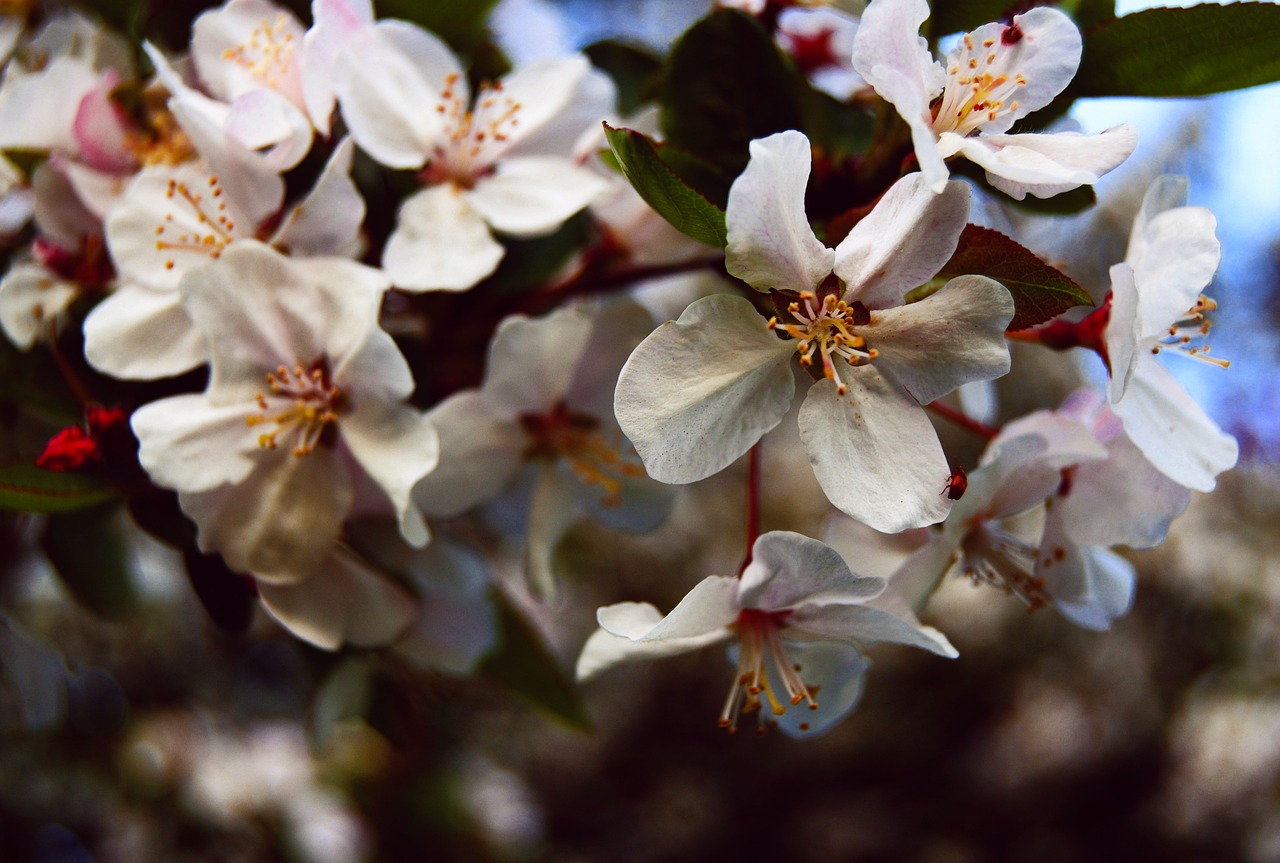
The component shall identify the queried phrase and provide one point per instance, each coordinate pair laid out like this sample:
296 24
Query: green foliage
461 23
634 70
1182 52
658 173
954 16
523 664
1089 13
27 488
90 555
1040 292
725 84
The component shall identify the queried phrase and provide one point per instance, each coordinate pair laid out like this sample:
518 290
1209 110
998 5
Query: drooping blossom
797 620
542 418
305 400
698 392
996 75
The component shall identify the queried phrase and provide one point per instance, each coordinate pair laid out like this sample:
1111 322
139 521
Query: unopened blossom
305 399
1156 308
543 416
700 391
494 161
797 620
996 75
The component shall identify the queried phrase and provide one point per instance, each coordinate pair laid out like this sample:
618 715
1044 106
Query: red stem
753 503
963 420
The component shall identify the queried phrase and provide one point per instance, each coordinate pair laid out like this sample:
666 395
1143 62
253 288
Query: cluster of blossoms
348 400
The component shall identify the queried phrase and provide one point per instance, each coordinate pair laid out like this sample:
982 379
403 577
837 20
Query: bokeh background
160 737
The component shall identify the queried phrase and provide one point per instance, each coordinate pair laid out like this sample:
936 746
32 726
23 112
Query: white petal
891 56
1044 164
1178 256
480 453
388 80
616 329
921 573
533 361
698 392
874 452
1165 193
336 23
1090 586
555 507
396 446
1122 333
38 110
533 195
328 220
440 243
836 672
770 242
902 242
185 443
864 625
705 612
266 120
32 301
1172 430
342 603
544 90
140 334
247 45
457 622
788 569
953 337
604 650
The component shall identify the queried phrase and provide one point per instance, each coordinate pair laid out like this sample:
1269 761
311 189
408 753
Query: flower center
475 135
1188 328
213 227
826 328
575 437
267 54
761 654
981 84
303 404
995 557
160 141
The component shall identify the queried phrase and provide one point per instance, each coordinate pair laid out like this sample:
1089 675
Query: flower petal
328 220
705 612
140 334
902 242
336 22
874 452
440 243
770 242
480 453
533 361
1122 332
1091 586
555 507
1172 263
698 392
1044 164
953 337
32 300
457 622
604 650
836 672
176 436
396 446
864 625
533 195
788 569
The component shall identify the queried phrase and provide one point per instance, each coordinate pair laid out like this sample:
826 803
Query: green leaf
643 163
89 553
27 488
1089 13
634 70
1182 52
725 84
523 664
461 23
953 16
1040 292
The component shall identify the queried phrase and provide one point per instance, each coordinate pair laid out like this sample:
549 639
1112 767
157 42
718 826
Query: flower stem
753 503
963 420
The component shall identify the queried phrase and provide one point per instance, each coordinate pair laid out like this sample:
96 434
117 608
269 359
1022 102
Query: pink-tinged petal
440 243
396 446
771 244
345 602
556 506
953 337
1090 586
902 242
1172 430
328 220
32 301
1122 334
604 650
263 120
543 91
248 45
532 361
177 436
389 81
874 452
788 569
480 453
836 672
102 129
1172 263
38 110
705 612
335 24
1044 164
865 625
533 195
891 55
140 334
698 392
281 521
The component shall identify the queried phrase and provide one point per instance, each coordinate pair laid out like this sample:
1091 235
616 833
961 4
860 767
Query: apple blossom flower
699 392
305 399
498 162
1156 307
543 415
798 620
996 75
820 41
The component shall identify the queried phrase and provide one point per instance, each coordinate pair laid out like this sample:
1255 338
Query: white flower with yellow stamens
995 76
544 412
698 392
800 619
305 393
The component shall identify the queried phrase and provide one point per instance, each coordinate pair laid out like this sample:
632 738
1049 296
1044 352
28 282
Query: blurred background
160 737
